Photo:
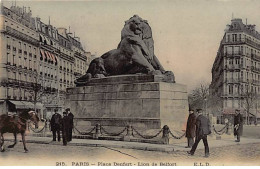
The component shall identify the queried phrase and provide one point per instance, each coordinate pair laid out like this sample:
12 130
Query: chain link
222 131
146 137
37 131
113 134
176 137
83 133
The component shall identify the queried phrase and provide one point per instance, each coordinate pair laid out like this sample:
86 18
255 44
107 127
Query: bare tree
41 93
249 101
199 96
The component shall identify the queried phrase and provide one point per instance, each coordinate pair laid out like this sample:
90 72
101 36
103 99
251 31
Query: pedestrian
238 125
190 128
71 117
202 130
56 125
65 128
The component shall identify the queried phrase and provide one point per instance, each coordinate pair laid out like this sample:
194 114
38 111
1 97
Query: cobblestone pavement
41 154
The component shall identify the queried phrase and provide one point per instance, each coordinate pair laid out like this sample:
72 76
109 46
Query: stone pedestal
142 101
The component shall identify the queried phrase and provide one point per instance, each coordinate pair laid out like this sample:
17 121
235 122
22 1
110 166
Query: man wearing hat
71 117
56 125
238 124
190 128
65 128
202 130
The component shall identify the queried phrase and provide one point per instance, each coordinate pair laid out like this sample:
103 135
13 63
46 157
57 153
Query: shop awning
229 111
19 104
25 105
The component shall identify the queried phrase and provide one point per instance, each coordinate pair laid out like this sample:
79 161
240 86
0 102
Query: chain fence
35 130
146 137
83 133
222 131
112 134
177 137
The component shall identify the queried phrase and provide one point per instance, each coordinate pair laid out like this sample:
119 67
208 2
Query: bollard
229 129
165 136
98 131
129 133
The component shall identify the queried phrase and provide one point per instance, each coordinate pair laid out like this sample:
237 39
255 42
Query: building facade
236 72
37 62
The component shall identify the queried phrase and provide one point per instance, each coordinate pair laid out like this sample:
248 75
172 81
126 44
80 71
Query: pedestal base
146 102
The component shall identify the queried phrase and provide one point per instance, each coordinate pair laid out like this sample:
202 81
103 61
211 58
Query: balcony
14 49
235 54
255 57
21 36
254 69
233 80
233 67
8 46
243 41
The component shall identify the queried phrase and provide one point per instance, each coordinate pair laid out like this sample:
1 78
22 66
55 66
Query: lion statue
134 54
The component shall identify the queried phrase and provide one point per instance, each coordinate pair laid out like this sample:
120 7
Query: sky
186 33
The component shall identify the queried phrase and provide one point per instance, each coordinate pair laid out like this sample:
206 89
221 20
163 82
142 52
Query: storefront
16 107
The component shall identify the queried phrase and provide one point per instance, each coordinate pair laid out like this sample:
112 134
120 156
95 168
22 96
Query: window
230 89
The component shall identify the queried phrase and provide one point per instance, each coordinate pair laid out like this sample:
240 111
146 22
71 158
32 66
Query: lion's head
133 27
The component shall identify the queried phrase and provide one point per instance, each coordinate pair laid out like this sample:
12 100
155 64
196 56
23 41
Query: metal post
165 136
98 131
129 133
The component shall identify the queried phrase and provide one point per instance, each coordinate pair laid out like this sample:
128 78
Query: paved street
52 154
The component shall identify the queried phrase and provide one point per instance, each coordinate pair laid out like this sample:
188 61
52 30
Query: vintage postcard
130 83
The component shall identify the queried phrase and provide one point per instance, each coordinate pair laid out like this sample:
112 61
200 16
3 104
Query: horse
16 124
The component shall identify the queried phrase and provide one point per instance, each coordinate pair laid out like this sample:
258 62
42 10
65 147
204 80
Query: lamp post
206 108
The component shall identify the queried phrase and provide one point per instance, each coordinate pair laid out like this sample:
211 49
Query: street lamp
206 108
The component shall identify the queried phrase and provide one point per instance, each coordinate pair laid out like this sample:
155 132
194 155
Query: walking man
190 128
202 130
65 128
71 117
56 124
238 125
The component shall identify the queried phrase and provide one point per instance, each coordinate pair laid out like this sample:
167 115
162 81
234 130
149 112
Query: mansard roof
238 26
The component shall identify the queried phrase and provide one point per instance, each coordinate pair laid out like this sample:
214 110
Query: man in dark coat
190 128
71 117
238 125
65 128
203 129
56 124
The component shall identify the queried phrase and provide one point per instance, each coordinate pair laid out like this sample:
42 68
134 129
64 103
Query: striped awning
48 56
53 57
42 54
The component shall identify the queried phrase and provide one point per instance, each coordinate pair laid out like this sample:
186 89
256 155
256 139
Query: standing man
238 125
190 128
65 128
56 125
71 117
202 130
